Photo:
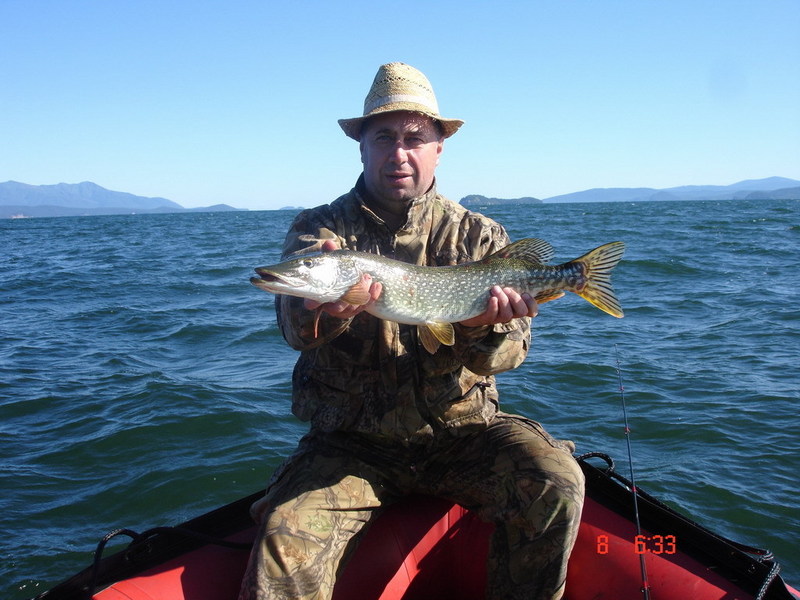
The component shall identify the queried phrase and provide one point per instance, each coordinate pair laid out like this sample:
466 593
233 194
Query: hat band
397 98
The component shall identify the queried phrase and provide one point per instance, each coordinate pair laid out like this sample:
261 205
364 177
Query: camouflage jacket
373 376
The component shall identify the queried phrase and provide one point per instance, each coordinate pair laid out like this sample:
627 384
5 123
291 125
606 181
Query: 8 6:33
644 544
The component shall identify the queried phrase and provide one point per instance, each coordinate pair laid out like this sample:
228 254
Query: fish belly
437 297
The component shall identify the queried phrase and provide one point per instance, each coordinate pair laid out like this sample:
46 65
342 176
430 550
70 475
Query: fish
435 297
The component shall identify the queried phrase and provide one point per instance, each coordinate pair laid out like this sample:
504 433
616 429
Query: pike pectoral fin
356 295
547 296
433 334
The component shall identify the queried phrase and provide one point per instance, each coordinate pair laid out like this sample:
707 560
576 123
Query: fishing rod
642 565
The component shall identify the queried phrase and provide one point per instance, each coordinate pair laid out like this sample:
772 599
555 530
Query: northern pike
435 297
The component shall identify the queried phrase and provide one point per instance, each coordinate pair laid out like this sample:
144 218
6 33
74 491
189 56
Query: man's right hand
366 288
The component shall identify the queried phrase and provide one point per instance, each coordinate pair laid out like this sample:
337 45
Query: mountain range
87 198
771 188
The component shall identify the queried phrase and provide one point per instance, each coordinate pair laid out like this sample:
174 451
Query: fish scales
435 297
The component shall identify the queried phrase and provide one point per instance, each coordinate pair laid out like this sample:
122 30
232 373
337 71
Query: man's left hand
504 305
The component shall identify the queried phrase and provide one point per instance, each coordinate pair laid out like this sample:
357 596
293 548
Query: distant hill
476 200
761 189
87 198
792 193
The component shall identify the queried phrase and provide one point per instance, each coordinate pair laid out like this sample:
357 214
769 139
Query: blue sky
237 101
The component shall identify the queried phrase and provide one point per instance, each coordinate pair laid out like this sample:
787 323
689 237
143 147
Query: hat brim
352 127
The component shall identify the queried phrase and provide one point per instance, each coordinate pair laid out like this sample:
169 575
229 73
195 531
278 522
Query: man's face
400 151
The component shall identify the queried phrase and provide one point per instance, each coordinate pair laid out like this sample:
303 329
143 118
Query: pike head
323 277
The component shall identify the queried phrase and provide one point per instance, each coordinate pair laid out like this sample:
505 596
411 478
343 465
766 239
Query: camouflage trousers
512 473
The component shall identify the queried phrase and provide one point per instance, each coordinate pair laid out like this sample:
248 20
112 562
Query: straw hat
398 86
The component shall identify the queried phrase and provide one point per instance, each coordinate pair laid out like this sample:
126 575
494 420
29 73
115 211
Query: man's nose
399 153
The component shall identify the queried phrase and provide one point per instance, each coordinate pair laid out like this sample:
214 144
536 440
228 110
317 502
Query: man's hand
342 309
504 304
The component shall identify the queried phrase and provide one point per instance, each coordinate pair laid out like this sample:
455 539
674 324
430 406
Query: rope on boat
608 460
771 576
139 539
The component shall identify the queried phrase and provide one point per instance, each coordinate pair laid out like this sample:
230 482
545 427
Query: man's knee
556 499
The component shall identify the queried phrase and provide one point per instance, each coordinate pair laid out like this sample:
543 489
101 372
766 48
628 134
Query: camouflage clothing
388 419
374 376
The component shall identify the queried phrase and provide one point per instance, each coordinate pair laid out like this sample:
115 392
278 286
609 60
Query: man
388 418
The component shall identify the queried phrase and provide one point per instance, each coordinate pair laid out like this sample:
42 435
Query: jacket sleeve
493 349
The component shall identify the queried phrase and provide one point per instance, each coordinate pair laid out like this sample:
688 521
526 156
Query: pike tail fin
597 266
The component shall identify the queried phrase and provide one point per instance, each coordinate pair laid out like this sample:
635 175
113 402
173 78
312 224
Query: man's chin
399 194
396 192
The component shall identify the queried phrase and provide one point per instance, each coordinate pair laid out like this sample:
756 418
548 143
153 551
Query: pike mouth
265 276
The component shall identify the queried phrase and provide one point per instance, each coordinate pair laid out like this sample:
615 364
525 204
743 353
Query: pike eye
308 263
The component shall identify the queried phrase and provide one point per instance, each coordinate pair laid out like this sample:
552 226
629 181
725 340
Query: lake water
143 380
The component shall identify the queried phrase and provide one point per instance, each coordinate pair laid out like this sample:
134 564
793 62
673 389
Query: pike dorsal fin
530 249
433 334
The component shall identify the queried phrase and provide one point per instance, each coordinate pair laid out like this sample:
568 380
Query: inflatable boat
429 548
